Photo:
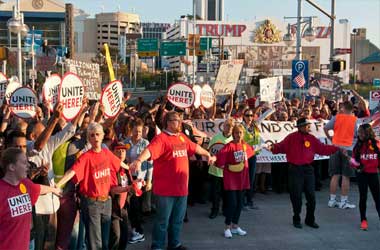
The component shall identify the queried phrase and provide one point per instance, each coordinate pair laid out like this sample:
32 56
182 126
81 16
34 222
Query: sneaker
227 233
346 205
136 237
364 225
332 203
238 231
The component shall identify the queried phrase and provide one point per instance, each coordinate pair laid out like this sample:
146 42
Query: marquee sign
233 30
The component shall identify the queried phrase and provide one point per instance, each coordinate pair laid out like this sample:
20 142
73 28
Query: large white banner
270 132
228 76
271 89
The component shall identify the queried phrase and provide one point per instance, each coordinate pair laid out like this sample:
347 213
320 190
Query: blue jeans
169 219
97 221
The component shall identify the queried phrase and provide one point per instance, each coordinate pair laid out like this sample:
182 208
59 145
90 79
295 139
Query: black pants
252 173
370 180
217 192
234 204
198 175
279 174
135 213
301 178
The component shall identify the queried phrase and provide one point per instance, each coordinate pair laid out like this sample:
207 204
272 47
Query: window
373 68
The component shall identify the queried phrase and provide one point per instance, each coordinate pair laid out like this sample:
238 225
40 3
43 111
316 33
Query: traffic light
339 65
3 53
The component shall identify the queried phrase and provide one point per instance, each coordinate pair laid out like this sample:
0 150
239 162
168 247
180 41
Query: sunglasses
248 115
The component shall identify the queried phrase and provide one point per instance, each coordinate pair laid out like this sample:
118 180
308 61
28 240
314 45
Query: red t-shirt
170 155
96 172
368 158
16 213
234 153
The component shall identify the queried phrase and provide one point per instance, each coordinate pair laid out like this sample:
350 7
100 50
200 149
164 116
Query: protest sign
374 101
330 86
181 95
271 89
270 132
197 94
11 87
112 97
89 73
50 90
3 87
207 96
71 93
228 76
23 103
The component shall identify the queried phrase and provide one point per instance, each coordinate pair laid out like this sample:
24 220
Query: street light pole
355 32
299 38
332 37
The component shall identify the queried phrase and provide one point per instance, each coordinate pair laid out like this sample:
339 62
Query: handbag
236 168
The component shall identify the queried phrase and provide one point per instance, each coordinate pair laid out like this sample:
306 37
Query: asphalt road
270 227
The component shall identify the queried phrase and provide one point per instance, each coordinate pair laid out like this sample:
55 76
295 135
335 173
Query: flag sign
12 86
3 87
111 98
197 93
71 93
181 95
300 74
50 90
207 96
23 103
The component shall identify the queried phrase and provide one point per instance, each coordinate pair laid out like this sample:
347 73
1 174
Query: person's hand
211 160
135 165
44 169
7 111
343 151
57 191
148 186
58 109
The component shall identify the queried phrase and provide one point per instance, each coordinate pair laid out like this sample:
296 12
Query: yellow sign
267 33
147 53
109 63
22 188
197 52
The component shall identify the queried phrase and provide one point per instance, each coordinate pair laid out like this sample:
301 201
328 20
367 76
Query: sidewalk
270 227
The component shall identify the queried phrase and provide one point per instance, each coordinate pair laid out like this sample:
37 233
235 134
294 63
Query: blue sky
361 13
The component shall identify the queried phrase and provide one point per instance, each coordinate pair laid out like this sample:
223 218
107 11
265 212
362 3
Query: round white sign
314 91
215 148
181 95
50 90
71 93
23 103
197 93
11 87
3 87
207 96
112 97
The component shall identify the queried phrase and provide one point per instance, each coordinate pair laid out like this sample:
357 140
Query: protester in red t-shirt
170 153
366 160
95 172
18 195
235 181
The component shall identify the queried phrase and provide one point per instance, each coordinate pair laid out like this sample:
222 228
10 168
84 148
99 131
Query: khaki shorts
339 164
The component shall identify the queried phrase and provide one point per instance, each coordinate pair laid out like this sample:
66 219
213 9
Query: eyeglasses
94 134
174 120
248 115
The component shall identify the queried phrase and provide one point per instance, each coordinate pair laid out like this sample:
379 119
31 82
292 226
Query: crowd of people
108 173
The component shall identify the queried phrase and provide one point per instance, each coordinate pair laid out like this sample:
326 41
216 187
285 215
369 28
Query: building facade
154 30
260 44
369 68
46 16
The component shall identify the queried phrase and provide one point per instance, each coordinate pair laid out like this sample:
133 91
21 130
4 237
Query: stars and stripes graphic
300 79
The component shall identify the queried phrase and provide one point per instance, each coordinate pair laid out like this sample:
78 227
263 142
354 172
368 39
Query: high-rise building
154 30
211 10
